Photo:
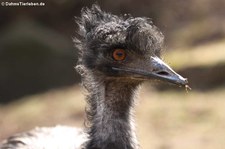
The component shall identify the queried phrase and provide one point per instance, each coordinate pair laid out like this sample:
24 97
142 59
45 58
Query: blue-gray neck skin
110 114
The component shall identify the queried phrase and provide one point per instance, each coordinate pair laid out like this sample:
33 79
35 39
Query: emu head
121 47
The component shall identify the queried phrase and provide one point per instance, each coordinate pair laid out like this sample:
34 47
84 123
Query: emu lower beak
155 69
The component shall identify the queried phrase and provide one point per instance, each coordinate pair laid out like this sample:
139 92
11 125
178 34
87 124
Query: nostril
164 73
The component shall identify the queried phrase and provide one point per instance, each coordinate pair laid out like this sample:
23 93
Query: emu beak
155 69
162 71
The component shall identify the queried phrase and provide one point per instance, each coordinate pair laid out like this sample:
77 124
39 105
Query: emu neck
110 116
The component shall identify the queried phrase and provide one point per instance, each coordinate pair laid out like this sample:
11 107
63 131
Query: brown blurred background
39 85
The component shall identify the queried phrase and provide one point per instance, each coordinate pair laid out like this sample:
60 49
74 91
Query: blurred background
40 87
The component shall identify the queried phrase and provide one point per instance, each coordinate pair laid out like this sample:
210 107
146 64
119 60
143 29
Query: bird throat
110 115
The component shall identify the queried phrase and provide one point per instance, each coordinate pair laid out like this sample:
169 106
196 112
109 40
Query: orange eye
119 54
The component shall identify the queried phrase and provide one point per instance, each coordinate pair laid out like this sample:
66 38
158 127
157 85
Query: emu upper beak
155 69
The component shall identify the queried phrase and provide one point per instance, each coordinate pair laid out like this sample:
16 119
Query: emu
116 54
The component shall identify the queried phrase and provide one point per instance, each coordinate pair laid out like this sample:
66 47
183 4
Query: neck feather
110 115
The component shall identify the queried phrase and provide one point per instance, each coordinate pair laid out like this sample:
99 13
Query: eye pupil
119 54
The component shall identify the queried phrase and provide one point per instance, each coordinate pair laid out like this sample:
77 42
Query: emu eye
119 54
